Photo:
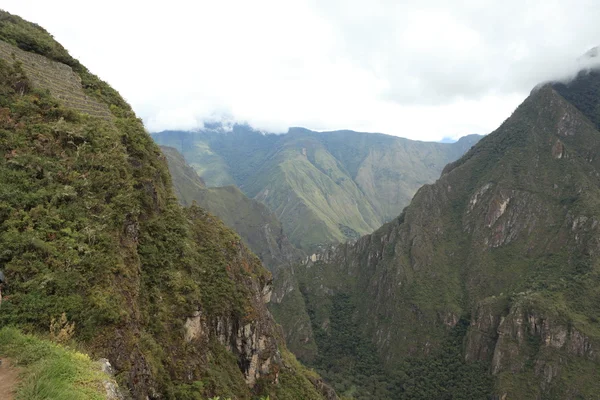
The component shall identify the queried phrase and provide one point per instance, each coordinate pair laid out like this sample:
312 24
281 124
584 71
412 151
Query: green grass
51 371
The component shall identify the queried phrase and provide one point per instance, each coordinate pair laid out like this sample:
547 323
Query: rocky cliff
506 243
90 229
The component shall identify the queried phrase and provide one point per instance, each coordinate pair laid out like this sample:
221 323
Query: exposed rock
195 327
496 209
478 194
326 390
506 218
558 150
524 335
112 389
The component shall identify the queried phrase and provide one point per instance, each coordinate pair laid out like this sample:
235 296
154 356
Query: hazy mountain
95 247
252 220
488 282
324 187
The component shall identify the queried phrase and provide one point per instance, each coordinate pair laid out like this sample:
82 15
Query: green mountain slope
487 284
324 187
90 227
252 220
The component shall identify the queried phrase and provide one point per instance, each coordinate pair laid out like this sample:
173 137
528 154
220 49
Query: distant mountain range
324 187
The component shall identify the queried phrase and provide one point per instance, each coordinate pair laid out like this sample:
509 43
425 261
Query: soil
9 378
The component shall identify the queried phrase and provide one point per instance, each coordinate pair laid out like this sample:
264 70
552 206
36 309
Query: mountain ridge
324 186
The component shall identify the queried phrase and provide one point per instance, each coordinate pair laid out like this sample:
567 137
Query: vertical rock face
529 338
507 237
252 342
289 309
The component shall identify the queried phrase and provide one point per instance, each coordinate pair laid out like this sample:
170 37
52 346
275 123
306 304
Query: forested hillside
487 284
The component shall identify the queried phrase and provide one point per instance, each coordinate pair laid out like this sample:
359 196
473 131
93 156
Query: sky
420 69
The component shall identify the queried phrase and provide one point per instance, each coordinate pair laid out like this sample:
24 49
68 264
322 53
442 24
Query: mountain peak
594 52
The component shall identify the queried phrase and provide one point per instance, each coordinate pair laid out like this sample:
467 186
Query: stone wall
58 78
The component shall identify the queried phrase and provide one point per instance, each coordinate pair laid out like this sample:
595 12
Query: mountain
95 246
486 286
324 187
252 220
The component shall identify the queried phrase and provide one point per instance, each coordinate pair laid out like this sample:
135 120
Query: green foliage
514 219
345 357
296 385
50 371
33 38
583 94
350 362
292 315
253 221
57 170
445 374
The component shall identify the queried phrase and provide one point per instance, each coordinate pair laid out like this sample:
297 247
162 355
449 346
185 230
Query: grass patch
51 371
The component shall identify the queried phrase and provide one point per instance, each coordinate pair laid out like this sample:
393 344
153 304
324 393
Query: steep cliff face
508 238
253 221
89 227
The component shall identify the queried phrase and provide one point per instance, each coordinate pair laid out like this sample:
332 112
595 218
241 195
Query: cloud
418 69
435 51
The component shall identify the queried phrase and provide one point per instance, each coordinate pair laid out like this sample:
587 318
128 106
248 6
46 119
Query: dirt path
9 377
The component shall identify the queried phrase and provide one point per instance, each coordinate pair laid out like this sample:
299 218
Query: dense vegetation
351 363
324 187
582 92
253 221
90 229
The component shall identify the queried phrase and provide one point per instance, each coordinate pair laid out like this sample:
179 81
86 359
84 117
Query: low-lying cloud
418 69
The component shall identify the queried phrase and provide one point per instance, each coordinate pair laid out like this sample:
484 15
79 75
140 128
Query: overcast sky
418 69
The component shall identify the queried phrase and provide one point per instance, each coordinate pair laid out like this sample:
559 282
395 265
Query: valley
324 187
224 261
492 269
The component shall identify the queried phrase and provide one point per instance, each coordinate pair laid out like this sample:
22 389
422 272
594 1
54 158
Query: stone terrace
58 78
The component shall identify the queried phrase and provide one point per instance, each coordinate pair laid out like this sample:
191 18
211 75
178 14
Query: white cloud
418 69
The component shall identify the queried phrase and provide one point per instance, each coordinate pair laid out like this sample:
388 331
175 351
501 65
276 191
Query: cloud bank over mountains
419 69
